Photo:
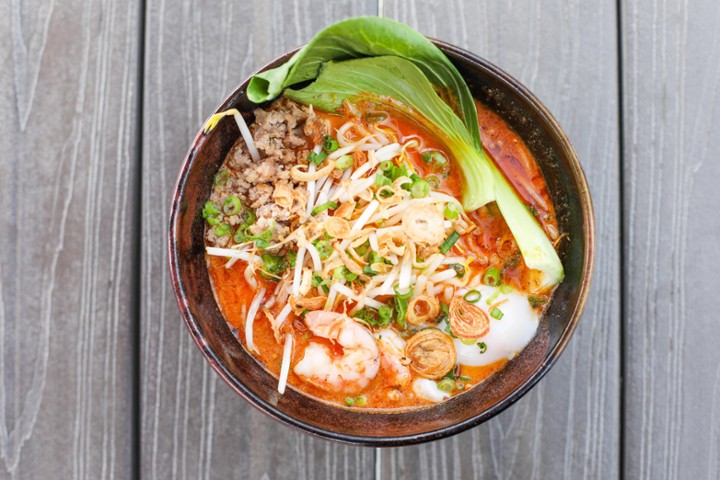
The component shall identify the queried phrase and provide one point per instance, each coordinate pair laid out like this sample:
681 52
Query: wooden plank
567 427
67 182
193 425
671 79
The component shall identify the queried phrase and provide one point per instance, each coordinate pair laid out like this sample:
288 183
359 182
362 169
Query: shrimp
350 372
392 356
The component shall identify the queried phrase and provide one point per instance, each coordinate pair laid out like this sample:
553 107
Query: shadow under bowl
191 283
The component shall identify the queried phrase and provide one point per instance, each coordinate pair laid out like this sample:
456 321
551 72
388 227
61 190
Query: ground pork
281 134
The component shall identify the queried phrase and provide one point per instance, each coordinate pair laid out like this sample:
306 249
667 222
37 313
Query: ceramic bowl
202 316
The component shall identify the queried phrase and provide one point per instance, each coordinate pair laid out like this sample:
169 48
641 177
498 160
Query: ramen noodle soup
340 253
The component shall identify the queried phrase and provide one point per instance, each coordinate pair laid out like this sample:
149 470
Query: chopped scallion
222 177
473 296
223 229
330 144
316 158
382 181
482 346
212 213
446 385
449 242
459 269
323 247
492 277
344 162
342 272
232 205
419 189
452 210
324 206
496 313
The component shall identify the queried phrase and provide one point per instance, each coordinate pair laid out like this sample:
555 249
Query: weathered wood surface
671 77
69 176
568 426
68 100
193 425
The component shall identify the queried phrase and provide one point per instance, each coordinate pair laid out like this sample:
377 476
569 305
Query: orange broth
491 243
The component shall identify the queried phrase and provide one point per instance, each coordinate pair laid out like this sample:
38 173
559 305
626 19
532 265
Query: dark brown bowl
191 282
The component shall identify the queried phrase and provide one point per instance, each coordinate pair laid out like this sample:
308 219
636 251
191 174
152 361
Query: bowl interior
192 286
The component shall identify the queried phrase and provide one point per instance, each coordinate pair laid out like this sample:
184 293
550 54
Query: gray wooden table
100 379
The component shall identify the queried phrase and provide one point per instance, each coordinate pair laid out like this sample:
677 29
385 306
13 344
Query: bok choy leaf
399 84
371 37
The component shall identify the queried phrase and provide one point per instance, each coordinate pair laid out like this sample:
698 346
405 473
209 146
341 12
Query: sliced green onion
367 270
323 247
433 181
505 288
435 157
401 306
316 158
419 189
405 295
482 346
467 341
459 269
232 205
381 180
319 281
492 297
375 257
323 207
496 313
473 296
292 258
211 213
361 400
342 272
449 242
329 144
446 385
362 249
222 177
349 401
263 240
398 171
211 209
223 229
273 264
344 162
385 313
492 277
452 210
386 165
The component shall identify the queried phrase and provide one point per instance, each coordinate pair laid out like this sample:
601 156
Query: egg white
507 336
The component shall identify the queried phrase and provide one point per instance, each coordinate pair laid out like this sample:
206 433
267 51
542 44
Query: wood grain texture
68 99
193 425
568 426
671 111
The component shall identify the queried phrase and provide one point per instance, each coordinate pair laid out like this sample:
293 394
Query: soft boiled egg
507 336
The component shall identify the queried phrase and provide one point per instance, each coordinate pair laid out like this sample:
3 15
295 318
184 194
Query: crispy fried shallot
422 309
468 320
424 224
431 353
